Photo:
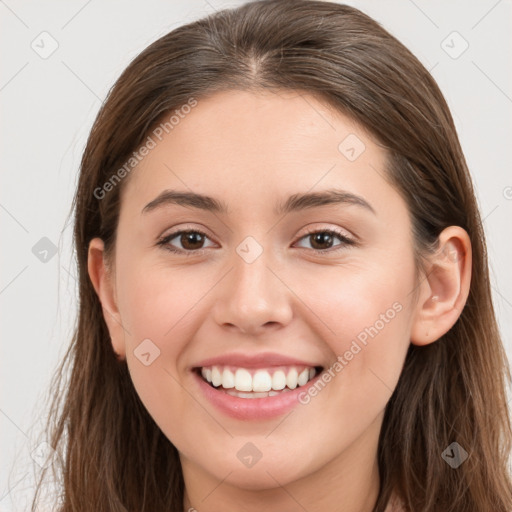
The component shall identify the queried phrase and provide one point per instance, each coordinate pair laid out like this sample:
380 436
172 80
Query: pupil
322 238
188 238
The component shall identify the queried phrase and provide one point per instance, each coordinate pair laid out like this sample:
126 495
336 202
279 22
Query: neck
349 482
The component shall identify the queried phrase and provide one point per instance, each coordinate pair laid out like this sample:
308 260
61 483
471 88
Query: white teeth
239 394
228 379
216 377
303 377
291 378
243 380
260 383
207 374
278 380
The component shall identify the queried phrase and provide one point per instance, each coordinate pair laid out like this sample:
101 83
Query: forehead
248 147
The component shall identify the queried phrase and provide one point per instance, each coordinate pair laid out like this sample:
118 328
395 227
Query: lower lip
253 408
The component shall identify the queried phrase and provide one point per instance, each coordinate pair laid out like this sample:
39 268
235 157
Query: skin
252 151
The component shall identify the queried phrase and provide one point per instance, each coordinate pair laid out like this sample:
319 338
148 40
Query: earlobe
102 279
445 287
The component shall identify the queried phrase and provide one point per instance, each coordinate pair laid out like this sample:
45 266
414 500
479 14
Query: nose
253 297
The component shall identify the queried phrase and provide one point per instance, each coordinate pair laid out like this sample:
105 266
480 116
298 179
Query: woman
225 358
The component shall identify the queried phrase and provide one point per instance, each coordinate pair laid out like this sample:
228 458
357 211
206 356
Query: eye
193 239
190 239
322 237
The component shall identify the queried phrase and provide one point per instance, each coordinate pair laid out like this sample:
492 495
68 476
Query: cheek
159 304
364 317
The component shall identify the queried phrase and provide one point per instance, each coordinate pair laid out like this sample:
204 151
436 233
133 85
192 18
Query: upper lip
261 360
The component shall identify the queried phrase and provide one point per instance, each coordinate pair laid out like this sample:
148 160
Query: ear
103 280
445 287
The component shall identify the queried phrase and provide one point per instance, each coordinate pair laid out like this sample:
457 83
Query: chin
263 475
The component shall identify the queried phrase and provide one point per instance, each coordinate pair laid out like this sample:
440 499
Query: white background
48 106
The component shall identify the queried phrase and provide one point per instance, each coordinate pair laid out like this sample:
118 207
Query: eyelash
164 242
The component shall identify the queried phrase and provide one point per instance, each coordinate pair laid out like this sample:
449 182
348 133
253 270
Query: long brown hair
113 455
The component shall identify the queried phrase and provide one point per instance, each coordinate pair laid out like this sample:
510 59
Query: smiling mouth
257 383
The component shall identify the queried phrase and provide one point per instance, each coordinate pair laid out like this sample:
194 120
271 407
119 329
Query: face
253 291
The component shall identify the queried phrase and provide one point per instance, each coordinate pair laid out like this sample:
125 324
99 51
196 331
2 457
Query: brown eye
190 240
323 240
320 240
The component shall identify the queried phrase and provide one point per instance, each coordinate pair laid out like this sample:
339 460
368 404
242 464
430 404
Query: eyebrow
296 202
